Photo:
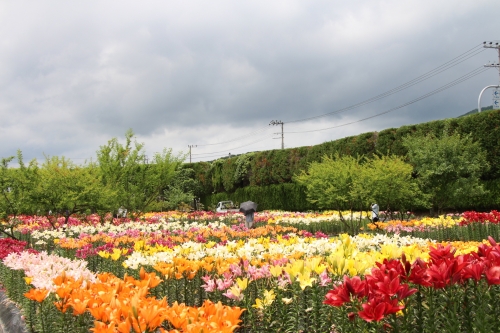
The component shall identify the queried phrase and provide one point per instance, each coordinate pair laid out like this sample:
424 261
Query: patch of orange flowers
123 306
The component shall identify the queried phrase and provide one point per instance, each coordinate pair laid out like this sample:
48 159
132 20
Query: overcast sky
214 74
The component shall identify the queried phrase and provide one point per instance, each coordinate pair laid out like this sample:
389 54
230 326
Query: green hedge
241 176
286 196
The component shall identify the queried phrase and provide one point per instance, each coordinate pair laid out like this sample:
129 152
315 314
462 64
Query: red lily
355 286
493 275
337 296
441 252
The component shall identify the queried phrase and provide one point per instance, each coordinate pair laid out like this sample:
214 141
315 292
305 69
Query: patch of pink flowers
43 268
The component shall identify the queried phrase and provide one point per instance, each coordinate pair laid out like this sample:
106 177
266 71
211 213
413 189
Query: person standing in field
249 219
375 211
248 208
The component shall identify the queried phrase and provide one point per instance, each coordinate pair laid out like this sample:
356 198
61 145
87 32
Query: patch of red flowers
477 217
381 292
9 245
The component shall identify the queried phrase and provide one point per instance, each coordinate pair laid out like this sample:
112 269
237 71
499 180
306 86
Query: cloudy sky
214 74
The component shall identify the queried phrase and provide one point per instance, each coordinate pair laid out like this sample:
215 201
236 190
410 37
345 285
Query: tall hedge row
269 174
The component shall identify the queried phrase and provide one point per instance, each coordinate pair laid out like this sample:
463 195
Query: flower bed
178 272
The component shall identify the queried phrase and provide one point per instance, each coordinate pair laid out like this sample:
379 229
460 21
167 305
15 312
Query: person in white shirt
375 211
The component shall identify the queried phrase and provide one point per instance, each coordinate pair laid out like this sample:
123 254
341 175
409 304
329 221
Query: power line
231 149
235 139
223 153
445 66
461 79
449 64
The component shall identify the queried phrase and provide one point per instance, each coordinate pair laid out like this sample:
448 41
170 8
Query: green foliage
329 183
121 169
201 174
182 189
176 196
490 199
227 173
388 181
15 185
185 180
344 183
448 167
138 185
124 168
163 171
260 169
243 164
286 196
64 188
484 128
279 166
216 175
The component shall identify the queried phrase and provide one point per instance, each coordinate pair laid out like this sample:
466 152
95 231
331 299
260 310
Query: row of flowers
28 224
280 275
468 298
342 254
124 305
384 291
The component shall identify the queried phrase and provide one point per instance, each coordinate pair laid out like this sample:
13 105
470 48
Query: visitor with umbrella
248 208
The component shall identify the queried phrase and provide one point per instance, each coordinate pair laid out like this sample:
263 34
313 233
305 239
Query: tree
119 165
388 181
344 183
138 183
182 189
165 175
329 182
175 196
15 187
63 188
448 168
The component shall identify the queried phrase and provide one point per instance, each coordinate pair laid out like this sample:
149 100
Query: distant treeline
266 177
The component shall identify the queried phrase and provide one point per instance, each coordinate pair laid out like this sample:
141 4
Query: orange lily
37 294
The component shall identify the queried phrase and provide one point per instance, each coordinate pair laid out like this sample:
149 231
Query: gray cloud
76 74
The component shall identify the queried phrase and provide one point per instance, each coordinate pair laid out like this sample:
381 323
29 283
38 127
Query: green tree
448 168
64 188
183 188
175 196
139 184
388 181
15 188
329 183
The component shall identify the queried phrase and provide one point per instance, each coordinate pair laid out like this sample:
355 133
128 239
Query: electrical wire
461 79
447 65
237 138
227 150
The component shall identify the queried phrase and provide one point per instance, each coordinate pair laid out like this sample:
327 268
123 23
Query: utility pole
490 45
191 146
279 122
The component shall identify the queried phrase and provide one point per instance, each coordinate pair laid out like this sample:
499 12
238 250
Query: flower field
294 272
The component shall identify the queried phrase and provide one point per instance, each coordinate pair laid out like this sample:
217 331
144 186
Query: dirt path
10 317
